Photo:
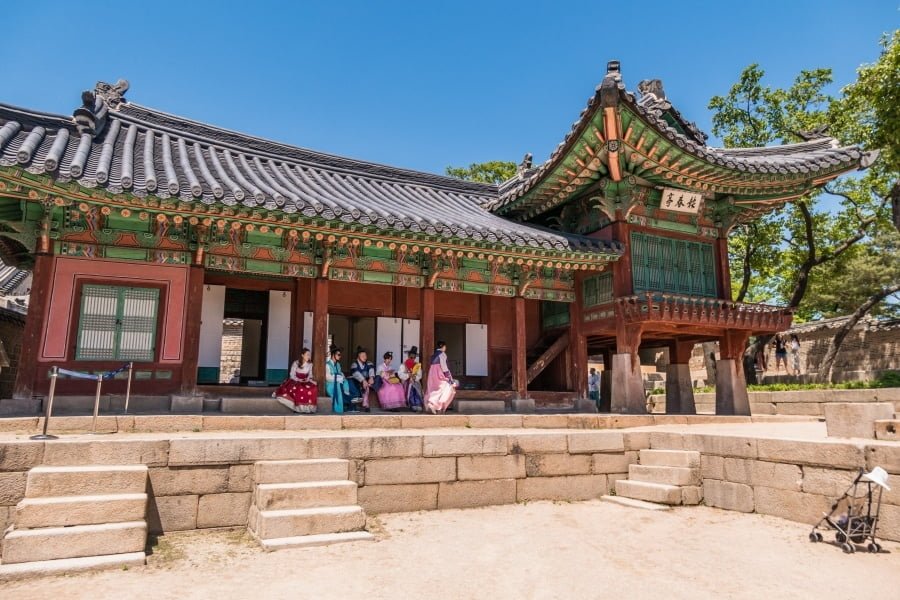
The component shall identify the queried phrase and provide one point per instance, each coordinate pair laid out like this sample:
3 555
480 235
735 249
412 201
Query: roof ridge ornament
90 118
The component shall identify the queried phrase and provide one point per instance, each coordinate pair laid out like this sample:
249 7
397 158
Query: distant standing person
780 354
594 386
795 353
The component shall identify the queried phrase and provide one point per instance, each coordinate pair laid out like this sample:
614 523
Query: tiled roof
126 148
805 160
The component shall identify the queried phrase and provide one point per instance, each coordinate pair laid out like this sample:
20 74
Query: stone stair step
90 480
670 458
298 471
63 511
632 503
651 492
51 543
691 495
310 494
667 475
71 565
322 539
480 407
269 524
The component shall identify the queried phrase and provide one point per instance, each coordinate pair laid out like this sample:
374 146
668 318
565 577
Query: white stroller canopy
878 476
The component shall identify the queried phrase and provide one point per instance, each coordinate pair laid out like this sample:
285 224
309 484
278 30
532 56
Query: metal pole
54 373
96 404
128 389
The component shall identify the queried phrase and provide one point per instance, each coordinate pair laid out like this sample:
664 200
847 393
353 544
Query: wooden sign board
681 201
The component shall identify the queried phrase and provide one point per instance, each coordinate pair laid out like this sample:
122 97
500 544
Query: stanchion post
54 374
96 404
128 388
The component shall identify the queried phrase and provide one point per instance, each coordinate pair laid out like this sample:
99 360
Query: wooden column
731 386
520 343
426 329
723 271
33 334
606 382
623 283
679 387
627 386
578 343
191 341
297 308
320 329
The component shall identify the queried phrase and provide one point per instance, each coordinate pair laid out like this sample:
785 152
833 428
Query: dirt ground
535 550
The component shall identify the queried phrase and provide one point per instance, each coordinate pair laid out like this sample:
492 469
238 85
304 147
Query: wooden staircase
300 503
538 357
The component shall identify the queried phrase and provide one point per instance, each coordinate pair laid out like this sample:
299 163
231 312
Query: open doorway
454 335
243 358
351 332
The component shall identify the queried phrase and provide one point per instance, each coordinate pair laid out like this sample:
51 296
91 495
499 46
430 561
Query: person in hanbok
410 373
362 379
299 391
335 384
391 394
441 387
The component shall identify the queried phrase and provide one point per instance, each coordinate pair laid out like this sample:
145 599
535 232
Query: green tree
494 171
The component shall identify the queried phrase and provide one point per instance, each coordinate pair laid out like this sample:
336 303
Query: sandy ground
535 550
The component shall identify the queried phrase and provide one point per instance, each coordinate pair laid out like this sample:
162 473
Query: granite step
270 524
78 541
311 494
667 475
299 471
670 458
90 480
650 492
65 566
632 503
322 539
65 511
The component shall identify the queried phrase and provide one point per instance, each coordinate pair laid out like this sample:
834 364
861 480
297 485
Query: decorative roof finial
90 118
613 66
525 165
651 87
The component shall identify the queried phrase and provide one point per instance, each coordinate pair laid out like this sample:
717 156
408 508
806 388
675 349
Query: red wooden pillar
627 387
623 283
320 328
578 343
28 371
191 340
519 363
731 386
723 271
297 333
426 328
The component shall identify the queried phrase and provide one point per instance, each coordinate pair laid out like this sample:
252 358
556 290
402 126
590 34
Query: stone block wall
232 336
805 402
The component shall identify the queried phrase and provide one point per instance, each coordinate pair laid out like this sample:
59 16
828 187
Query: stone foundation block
476 407
20 456
223 510
678 476
712 467
495 421
243 422
538 443
432 421
308 494
172 513
12 488
306 521
688 459
691 495
648 491
21 424
855 419
887 430
738 447
572 487
470 494
410 470
794 506
584 421
769 474
822 453
168 423
153 453
889 522
67 511
548 465
364 447
510 466
178 481
298 471
637 440
545 421
186 404
376 499
240 478
612 478
591 442
6 518
187 452
625 421
458 445
727 495
89 480
613 463
324 405
667 441
83 423
886 457
583 405
52 543
368 421
523 405
826 482
304 422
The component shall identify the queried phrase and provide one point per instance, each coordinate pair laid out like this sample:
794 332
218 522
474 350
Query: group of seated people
396 387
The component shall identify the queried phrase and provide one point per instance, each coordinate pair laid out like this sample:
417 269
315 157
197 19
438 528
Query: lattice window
668 265
117 323
554 314
598 290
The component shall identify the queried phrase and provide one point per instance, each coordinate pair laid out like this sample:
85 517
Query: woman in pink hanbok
441 387
391 394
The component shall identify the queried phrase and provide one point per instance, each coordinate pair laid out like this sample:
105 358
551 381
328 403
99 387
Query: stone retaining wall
806 402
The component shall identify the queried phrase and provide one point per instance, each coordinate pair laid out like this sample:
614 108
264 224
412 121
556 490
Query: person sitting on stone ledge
336 385
391 394
411 374
299 392
362 379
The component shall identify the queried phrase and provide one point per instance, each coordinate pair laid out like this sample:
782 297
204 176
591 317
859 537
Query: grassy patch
888 380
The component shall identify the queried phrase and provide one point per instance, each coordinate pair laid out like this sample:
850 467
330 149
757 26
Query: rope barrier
94 376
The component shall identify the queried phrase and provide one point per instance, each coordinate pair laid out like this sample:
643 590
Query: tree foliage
494 171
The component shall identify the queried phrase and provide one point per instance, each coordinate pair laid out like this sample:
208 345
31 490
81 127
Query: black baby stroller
854 516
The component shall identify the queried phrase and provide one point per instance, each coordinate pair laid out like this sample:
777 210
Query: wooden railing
674 308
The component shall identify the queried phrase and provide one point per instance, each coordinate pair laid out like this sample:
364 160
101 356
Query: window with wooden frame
117 323
663 264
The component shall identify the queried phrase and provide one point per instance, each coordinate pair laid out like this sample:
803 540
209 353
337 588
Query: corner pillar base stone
627 387
679 390
523 405
186 403
731 389
584 405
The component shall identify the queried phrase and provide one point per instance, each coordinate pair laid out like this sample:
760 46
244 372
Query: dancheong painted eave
641 139
127 151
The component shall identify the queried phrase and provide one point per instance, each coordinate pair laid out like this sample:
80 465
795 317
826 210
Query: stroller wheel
848 548
874 548
840 538
815 536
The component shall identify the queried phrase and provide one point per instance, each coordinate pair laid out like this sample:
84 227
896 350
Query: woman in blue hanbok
362 379
335 384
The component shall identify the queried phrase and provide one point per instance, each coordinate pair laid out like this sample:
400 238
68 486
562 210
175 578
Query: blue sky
417 84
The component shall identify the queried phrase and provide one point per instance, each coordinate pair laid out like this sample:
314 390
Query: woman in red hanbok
299 392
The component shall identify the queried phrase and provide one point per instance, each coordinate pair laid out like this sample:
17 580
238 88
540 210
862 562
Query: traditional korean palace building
147 231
